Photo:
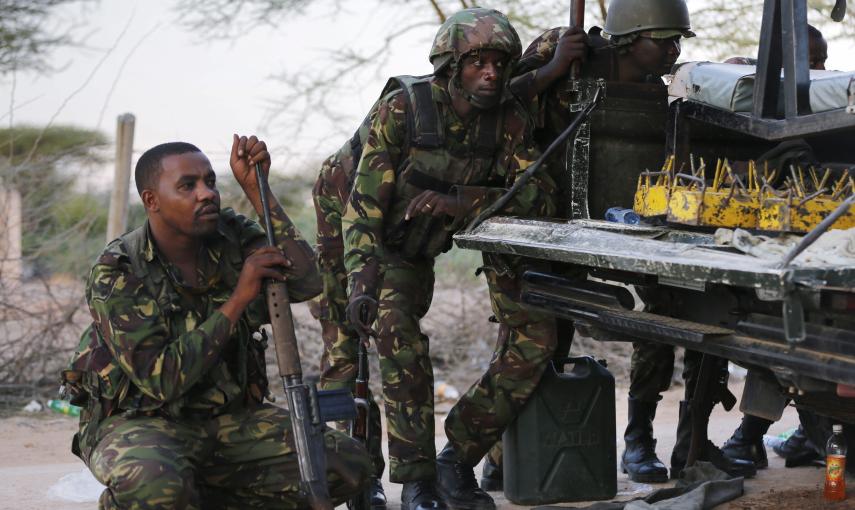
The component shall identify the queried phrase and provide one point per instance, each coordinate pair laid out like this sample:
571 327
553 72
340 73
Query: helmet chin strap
479 101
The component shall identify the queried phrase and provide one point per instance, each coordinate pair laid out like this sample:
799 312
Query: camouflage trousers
339 363
405 367
652 367
526 343
235 460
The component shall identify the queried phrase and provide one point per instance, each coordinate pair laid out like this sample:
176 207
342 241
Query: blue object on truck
622 215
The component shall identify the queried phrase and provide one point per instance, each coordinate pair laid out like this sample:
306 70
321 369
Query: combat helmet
473 30
663 18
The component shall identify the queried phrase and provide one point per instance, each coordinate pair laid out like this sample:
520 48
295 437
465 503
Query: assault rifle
310 409
361 427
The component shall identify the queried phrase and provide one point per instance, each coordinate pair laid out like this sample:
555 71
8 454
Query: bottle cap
837 428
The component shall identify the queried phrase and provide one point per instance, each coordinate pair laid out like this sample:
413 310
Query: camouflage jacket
330 194
157 344
373 221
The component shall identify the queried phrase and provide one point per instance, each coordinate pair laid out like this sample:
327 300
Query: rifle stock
360 393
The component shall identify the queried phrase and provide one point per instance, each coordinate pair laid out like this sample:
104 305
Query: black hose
519 183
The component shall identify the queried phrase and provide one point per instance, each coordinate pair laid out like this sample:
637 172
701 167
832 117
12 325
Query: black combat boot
492 476
421 495
797 450
747 441
639 459
378 495
709 452
457 485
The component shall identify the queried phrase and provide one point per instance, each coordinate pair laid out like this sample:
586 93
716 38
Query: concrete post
117 220
10 235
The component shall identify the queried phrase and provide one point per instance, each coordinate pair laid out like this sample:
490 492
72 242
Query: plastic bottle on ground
835 466
62 406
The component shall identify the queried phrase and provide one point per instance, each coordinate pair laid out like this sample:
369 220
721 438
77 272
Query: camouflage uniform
389 257
526 343
173 414
339 362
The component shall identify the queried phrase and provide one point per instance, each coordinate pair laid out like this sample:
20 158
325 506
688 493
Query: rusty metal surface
680 255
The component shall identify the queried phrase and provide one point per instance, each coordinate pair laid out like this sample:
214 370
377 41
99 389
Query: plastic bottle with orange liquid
835 466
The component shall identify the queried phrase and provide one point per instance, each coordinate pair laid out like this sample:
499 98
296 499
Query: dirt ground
35 457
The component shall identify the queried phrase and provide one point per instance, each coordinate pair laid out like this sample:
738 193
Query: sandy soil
36 455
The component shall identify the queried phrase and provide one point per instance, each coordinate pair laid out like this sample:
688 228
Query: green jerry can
561 448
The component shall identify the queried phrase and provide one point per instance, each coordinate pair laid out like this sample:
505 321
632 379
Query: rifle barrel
577 19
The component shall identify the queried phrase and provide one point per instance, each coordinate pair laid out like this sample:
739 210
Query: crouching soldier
438 151
170 375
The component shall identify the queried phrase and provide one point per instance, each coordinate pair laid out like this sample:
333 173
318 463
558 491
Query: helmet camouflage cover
471 30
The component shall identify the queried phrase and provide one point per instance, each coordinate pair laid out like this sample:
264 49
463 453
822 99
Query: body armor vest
430 163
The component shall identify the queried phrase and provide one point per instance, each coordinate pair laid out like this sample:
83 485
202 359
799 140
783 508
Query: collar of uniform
149 251
228 233
439 90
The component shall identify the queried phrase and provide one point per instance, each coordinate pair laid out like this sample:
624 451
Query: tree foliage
29 32
62 230
44 165
317 95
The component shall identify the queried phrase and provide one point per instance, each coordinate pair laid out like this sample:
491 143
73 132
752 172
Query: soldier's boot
747 441
378 495
709 452
457 485
421 495
797 450
492 476
639 459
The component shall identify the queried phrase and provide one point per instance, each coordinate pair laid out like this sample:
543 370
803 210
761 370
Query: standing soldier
439 150
339 363
643 45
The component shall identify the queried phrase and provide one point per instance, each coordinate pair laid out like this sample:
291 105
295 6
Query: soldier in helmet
170 375
643 44
438 150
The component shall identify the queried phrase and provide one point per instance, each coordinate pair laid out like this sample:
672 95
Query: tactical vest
428 162
95 381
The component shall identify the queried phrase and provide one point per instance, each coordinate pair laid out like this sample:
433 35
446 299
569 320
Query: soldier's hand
266 262
572 45
432 203
361 312
246 152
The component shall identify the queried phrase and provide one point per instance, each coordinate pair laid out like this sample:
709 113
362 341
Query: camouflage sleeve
134 330
535 198
540 51
373 189
524 82
329 194
304 281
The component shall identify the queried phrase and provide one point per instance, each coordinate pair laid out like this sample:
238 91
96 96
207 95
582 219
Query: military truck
790 323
